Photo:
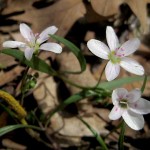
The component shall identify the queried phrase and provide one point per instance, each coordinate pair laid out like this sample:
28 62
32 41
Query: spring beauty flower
130 106
116 54
34 42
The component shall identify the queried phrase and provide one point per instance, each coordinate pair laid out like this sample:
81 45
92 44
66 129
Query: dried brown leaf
10 75
72 64
45 93
62 14
111 8
13 145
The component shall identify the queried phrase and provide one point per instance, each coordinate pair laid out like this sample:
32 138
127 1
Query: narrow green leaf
8 110
97 136
120 82
75 50
72 99
35 63
9 128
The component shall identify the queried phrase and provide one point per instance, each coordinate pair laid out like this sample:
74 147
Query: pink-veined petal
142 106
118 94
131 66
13 44
134 95
26 32
53 47
112 38
115 113
133 120
28 53
112 71
44 36
128 47
98 48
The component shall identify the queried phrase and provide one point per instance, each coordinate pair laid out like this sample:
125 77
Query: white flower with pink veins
130 106
116 54
34 42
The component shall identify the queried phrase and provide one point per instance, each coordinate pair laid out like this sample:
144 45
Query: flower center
35 46
113 58
123 103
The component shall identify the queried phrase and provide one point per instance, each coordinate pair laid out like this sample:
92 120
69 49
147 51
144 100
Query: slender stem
80 86
144 84
76 85
9 111
72 99
72 83
23 83
114 130
55 146
99 80
121 137
34 134
97 136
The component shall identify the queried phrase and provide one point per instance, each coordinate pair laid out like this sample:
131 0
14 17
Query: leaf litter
71 17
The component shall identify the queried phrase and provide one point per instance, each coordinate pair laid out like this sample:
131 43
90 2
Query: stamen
123 103
36 35
113 57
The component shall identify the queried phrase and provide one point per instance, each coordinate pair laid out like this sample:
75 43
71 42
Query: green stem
121 137
97 136
99 80
72 99
144 84
72 83
114 130
77 85
23 83
9 111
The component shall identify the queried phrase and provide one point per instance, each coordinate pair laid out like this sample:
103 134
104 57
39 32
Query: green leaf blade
120 82
75 50
35 63
9 128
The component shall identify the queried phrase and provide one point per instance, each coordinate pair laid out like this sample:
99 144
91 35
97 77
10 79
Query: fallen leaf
13 145
45 93
71 124
57 14
85 79
6 77
108 9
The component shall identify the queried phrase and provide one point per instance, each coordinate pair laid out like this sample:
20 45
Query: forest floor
77 21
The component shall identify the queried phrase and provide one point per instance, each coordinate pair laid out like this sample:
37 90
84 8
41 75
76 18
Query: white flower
130 106
34 41
116 54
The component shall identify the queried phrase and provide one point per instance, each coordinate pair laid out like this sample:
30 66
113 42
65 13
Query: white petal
28 53
112 71
133 120
142 106
13 44
128 47
134 95
45 34
112 38
118 94
131 66
115 113
26 32
53 47
98 48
